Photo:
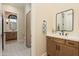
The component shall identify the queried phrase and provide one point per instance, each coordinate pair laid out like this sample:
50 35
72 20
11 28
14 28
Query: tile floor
14 48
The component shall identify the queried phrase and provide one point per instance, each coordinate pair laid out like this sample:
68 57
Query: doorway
28 29
15 44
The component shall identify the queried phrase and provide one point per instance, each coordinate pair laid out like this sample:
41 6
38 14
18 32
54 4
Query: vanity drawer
59 40
51 38
48 37
72 43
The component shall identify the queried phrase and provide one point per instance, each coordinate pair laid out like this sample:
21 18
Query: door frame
2 33
26 30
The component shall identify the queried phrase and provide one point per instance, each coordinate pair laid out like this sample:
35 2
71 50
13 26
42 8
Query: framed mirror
13 20
65 20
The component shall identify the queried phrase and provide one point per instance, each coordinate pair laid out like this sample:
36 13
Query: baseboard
44 54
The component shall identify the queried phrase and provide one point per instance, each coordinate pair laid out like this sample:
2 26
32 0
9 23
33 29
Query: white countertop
68 37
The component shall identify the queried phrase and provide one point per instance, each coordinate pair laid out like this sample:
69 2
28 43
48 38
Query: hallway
14 24
15 48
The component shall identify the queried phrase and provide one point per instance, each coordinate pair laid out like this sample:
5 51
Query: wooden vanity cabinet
59 47
64 50
54 47
62 47
51 46
10 36
71 48
69 51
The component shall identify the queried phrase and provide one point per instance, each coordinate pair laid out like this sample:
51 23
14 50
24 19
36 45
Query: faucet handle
59 33
66 34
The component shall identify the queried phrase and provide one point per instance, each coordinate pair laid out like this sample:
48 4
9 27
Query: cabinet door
69 51
51 47
59 49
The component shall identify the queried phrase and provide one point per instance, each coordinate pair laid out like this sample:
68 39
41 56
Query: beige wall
20 19
39 12
61 7
48 12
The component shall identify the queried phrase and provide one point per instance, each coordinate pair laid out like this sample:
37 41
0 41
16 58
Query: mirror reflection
13 20
64 20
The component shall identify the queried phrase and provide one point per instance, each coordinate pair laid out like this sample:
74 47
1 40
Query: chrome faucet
62 32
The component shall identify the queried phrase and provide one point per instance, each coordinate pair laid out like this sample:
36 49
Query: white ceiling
16 4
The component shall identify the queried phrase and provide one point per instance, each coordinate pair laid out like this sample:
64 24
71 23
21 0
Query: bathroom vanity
62 45
10 29
10 36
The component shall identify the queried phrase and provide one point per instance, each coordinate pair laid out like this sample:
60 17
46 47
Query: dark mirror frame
72 20
12 17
